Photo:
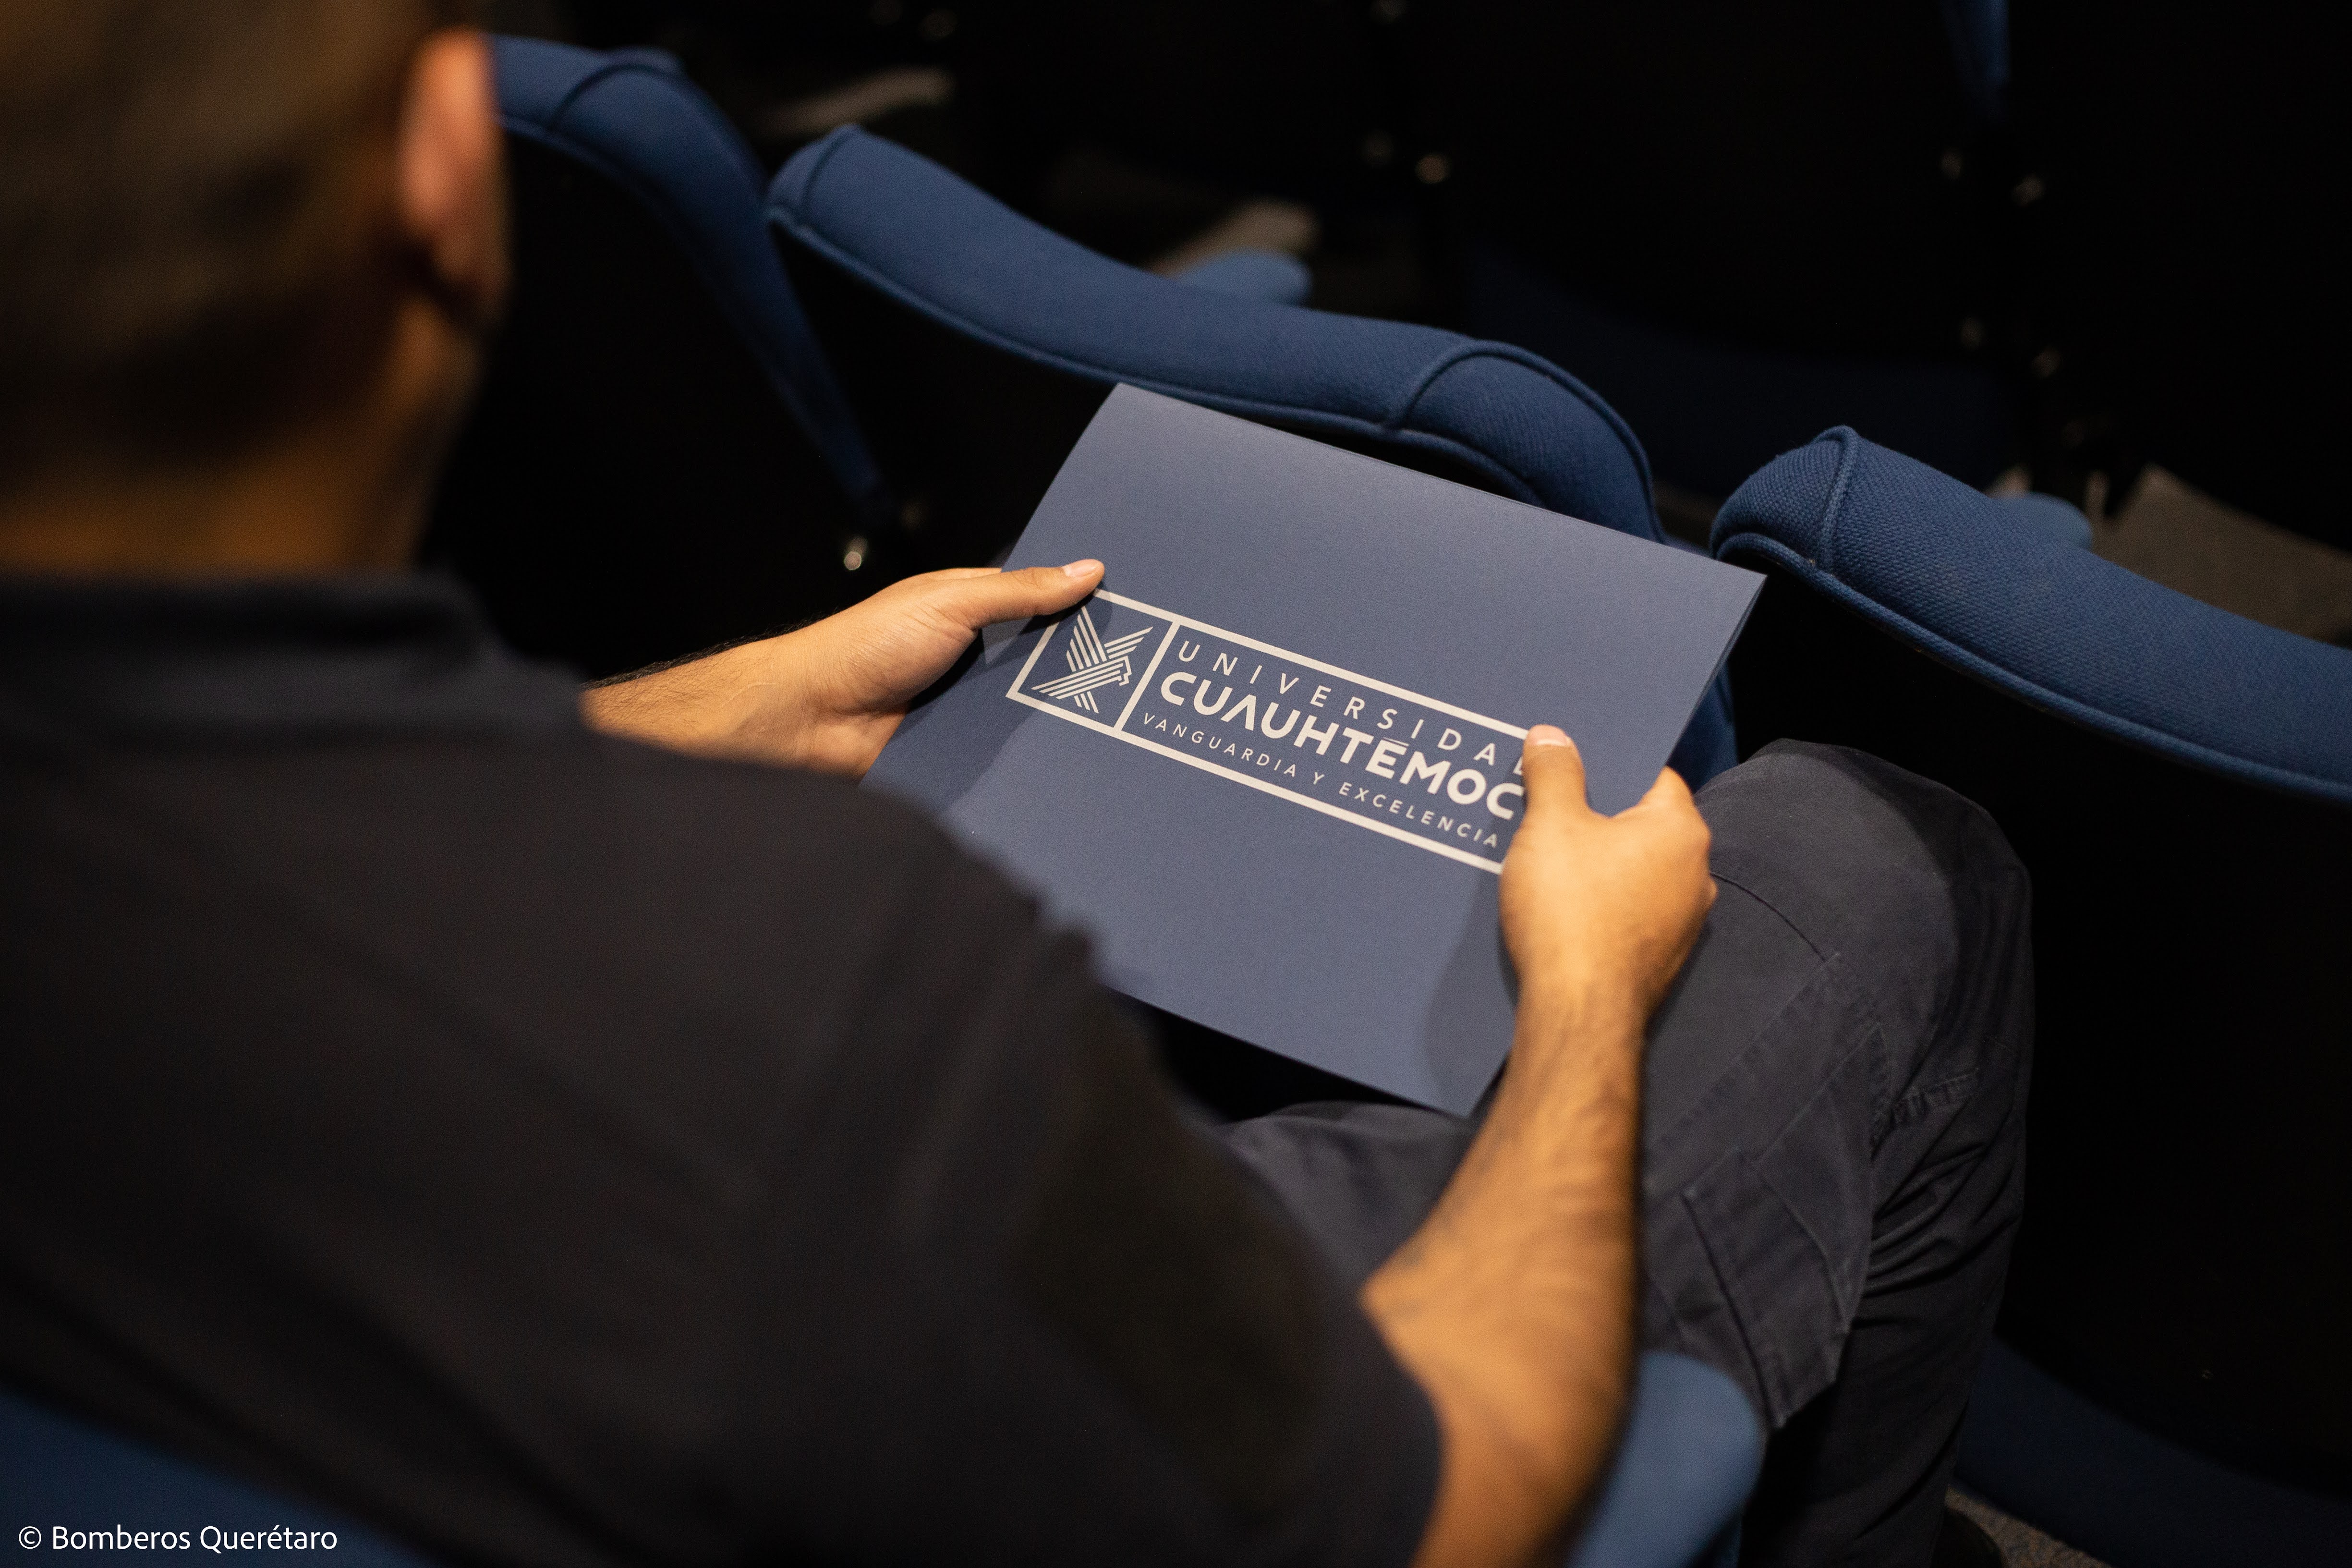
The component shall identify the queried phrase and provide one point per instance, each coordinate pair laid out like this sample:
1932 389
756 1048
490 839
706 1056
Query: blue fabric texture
1267 275
1962 577
633 116
57 1471
2063 522
917 235
1690 1456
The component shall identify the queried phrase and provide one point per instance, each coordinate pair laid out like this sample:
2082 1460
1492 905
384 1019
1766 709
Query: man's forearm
830 694
1513 1304
723 704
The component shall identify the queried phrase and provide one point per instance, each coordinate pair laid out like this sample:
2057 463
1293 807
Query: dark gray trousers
1832 1140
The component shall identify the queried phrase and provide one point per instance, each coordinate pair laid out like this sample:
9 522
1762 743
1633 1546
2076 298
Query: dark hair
188 191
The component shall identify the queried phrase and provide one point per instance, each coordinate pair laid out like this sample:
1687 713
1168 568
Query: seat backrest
2179 782
58 1474
659 458
974 346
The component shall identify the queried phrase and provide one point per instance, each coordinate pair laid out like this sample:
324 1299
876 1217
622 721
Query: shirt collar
353 655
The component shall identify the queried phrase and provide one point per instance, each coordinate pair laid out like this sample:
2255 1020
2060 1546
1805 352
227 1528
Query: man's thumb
1554 771
989 597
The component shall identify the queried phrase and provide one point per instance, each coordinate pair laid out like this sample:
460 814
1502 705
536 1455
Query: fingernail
1548 735
1081 568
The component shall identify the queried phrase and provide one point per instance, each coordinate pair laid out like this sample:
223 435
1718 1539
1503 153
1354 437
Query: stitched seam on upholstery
1626 440
1826 544
824 152
2176 748
572 94
1428 376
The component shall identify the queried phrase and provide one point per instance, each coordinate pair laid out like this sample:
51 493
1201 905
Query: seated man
557 1147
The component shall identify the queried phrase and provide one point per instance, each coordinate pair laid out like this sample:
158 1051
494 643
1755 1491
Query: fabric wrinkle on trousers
1832 1140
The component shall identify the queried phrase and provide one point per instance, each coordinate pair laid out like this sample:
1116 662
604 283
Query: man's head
232 230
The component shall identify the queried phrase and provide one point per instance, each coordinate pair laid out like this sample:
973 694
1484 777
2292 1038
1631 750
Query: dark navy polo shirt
555 1150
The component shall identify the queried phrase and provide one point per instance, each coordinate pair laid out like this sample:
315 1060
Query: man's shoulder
841 851
786 815
706 844
539 871
584 805
707 943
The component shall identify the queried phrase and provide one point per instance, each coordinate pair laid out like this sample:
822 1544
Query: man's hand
1601 909
1513 1304
828 695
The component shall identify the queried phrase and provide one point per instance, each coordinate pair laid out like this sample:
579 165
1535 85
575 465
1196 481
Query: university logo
1093 662
1350 747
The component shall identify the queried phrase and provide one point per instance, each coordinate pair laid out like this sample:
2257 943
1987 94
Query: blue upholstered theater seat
659 459
974 346
1690 1456
2179 782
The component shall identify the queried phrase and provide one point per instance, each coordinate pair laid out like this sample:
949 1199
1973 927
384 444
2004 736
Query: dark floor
2021 1545
2188 540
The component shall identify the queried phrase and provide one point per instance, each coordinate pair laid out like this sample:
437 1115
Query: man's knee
1913 886
1871 1135
1812 810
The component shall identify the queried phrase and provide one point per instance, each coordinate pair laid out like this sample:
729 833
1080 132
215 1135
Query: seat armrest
1690 1456
1267 275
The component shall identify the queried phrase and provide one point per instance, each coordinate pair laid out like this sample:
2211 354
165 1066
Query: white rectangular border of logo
1115 729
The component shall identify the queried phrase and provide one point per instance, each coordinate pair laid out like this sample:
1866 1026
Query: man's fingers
1669 806
1554 771
986 597
1672 806
1668 794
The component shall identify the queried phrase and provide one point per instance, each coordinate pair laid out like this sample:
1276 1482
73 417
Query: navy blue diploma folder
1272 766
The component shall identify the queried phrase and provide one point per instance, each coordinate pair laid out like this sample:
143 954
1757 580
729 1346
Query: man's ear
449 179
